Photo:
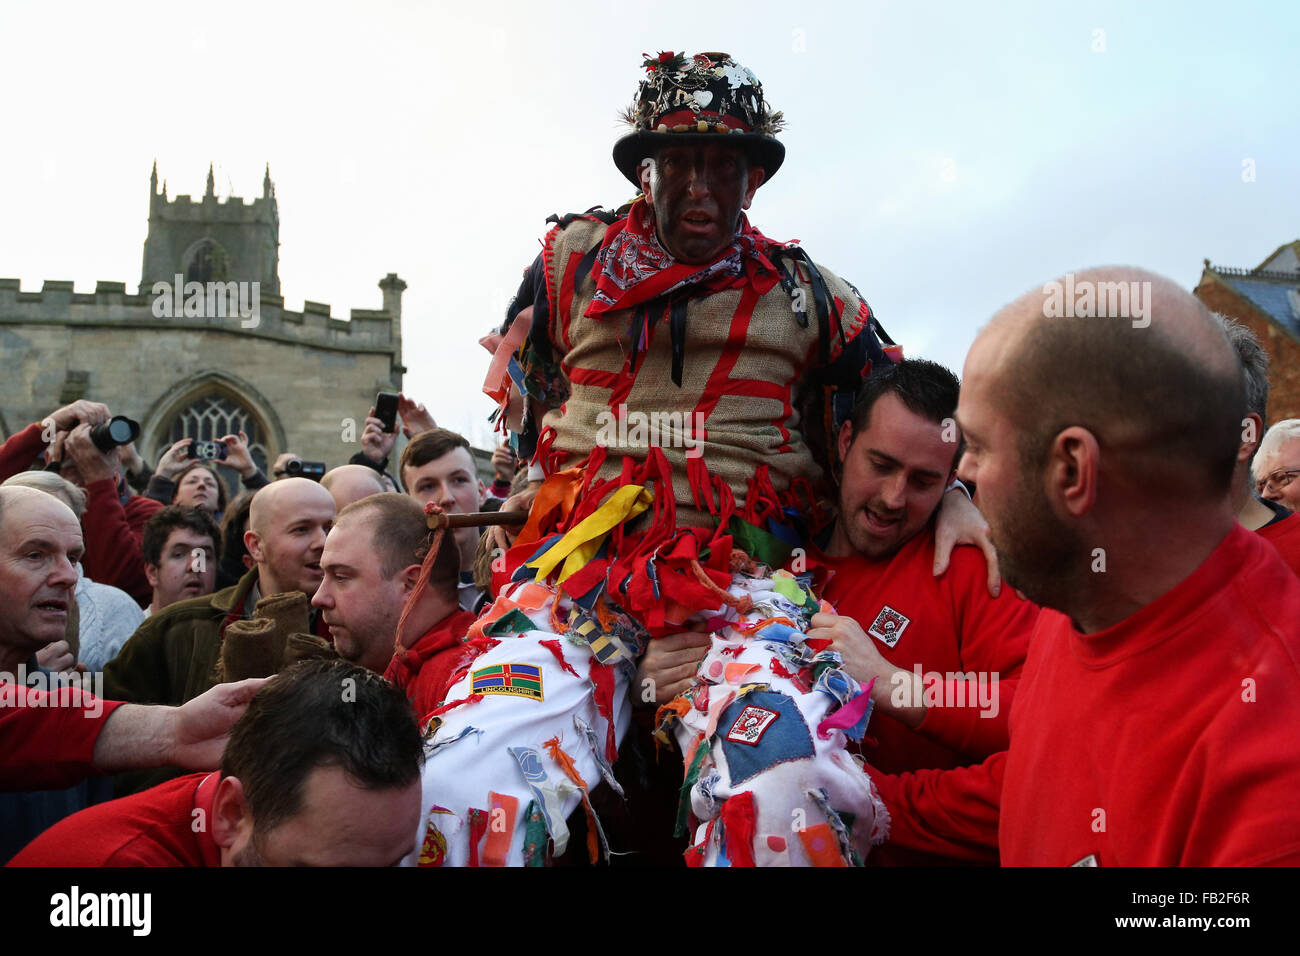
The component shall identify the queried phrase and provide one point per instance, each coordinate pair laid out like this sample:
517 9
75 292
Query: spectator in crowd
504 465
180 555
107 616
114 518
438 466
198 485
42 745
281 463
182 480
234 553
349 483
172 657
377 444
137 471
322 770
1103 450
1261 515
372 565
23 449
1277 464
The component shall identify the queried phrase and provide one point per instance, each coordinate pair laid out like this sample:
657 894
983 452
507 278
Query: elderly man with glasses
1277 463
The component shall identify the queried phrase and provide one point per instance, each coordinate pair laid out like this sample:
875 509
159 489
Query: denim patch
761 730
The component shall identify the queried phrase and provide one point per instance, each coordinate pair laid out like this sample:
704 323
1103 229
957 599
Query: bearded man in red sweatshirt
1155 720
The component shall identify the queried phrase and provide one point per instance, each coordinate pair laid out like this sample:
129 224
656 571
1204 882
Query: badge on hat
704 98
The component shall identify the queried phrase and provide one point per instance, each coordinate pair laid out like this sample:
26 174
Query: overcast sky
944 157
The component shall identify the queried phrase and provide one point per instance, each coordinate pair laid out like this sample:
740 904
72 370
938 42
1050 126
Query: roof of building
1275 291
1285 258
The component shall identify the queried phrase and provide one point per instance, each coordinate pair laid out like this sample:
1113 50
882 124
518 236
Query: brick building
1267 300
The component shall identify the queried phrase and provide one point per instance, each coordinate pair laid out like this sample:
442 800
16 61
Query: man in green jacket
173 656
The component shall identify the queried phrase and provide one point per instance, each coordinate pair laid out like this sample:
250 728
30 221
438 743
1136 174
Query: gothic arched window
208 262
214 415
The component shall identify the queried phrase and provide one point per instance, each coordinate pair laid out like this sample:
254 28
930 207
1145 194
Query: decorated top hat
706 98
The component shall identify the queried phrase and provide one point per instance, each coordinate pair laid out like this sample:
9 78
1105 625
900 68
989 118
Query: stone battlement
209 209
58 303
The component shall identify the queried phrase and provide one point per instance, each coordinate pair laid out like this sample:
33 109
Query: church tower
218 240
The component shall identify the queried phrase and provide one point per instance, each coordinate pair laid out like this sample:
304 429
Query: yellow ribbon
579 545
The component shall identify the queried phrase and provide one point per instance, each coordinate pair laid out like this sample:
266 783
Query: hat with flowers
704 98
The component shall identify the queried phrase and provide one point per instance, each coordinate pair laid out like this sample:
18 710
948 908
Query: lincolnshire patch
517 680
888 626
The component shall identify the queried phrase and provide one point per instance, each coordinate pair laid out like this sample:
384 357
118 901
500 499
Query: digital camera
118 430
208 450
297 468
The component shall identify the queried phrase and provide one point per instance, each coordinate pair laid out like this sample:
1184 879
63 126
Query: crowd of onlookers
163 590
155 541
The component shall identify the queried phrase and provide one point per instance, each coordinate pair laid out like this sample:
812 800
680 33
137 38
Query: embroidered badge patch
888 626
517 680
750 726
764 728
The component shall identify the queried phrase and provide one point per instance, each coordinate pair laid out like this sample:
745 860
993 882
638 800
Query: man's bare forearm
136 737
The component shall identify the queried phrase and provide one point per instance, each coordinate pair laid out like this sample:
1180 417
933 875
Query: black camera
297 468
118 430
208 450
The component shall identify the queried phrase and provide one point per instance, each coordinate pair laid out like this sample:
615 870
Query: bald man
349 483
172 656
1155 721
53 737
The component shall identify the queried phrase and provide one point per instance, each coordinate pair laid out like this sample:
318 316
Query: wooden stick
477 519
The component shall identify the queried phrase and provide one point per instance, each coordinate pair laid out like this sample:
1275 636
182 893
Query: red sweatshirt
115 539
114 532
48 747
1285 536
424 671
1169 738
168 825
20 450
946 625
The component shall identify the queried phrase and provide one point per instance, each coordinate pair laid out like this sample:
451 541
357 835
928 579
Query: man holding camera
115 518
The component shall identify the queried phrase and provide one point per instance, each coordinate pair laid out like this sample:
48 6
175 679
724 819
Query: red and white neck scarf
632 267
